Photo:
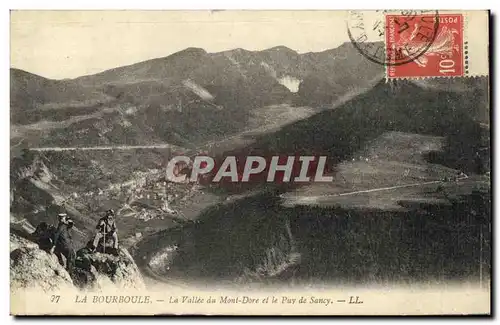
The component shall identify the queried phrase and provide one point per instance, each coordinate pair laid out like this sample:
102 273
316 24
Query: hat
110 212
62 215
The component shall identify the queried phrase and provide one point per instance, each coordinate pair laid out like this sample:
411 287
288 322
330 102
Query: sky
68 44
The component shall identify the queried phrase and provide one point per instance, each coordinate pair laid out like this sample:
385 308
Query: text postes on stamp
414 30
443 57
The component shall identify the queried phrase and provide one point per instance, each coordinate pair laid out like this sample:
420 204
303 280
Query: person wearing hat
106 227
62 241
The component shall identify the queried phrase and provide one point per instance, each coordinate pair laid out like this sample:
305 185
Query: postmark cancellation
422 44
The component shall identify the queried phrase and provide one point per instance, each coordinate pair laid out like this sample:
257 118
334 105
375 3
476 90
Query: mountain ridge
190 49
182 98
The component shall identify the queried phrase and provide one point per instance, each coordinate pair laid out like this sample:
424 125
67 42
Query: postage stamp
441 52
421 43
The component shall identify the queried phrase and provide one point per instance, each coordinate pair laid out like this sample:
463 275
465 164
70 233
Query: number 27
54 299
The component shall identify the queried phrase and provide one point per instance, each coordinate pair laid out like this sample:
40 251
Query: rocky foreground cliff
34 268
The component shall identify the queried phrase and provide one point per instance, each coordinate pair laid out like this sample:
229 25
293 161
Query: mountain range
183 98
269 102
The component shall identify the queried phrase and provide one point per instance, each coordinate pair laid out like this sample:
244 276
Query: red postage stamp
425 52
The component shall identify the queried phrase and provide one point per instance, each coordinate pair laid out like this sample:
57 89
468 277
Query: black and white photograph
250 162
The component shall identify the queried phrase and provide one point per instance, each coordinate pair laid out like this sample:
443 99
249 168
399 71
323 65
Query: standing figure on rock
62 242
106 227
44 236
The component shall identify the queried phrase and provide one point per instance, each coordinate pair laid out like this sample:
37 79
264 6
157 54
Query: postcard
250 163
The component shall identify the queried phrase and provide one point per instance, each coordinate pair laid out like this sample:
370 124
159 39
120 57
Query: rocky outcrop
33 268
98 270
18 242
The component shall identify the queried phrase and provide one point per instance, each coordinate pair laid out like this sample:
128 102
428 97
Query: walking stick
104 243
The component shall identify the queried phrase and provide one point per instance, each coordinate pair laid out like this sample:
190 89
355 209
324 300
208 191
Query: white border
192 4
254 4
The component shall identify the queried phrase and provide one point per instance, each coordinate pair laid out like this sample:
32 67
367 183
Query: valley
397 150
